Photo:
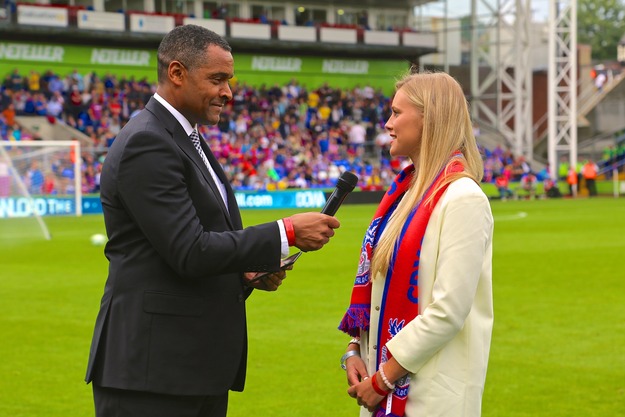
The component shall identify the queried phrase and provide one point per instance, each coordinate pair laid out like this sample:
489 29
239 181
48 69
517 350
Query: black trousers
592 187
111 402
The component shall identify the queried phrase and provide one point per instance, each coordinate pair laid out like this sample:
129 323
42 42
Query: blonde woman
421 312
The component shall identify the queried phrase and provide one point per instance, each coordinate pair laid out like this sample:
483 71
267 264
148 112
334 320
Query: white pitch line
517 216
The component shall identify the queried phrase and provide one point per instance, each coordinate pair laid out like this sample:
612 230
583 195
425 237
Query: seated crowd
269 138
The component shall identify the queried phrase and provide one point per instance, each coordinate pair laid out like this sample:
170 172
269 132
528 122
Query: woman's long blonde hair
447 128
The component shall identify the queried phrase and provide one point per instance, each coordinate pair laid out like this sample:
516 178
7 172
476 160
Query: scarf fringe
356 318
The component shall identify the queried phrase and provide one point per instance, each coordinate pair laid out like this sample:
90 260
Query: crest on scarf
364 264
394 326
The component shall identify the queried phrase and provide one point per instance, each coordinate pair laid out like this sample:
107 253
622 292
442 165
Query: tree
601 24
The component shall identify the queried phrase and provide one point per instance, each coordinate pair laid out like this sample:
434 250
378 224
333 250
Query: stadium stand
269 138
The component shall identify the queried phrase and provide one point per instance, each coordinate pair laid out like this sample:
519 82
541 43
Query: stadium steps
52 129
588 99
491 138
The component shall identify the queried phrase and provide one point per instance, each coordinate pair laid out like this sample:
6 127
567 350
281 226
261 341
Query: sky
460 8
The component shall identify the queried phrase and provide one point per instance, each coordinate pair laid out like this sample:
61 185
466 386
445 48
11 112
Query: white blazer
446 346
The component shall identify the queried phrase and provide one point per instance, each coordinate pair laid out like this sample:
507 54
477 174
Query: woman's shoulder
465 184
465 188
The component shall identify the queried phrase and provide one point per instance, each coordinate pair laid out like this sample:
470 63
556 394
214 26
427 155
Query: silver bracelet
347 355
355 341
385 379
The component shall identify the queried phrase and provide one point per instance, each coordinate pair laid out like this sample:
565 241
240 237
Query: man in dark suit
170 338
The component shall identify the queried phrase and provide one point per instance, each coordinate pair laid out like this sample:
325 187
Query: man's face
205 89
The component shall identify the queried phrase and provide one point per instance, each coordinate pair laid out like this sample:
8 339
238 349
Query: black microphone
345 184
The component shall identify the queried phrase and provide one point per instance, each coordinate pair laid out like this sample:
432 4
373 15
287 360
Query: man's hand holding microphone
308 231
313 230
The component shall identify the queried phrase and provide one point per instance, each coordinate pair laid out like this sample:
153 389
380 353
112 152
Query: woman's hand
356 370
360 384
365 395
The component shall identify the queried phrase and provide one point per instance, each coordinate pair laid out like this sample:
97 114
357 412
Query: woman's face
405 127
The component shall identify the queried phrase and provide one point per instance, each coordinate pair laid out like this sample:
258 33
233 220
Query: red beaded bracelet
376 387
290 231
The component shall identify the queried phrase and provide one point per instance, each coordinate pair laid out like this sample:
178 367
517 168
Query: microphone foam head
347 181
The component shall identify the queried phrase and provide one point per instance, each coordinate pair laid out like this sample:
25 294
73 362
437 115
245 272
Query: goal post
40 178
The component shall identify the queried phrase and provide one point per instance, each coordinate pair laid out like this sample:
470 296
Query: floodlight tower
500 47
562 94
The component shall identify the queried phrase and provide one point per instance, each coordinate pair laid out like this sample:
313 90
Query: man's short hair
187 44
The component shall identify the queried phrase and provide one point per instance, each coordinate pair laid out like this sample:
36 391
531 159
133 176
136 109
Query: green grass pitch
558 346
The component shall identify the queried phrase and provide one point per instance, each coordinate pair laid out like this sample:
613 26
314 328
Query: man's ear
176 72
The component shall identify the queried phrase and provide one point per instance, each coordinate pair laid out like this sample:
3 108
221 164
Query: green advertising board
63 59
252 69
257 69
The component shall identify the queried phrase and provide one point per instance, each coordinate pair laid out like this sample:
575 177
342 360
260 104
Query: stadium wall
16 206
306 199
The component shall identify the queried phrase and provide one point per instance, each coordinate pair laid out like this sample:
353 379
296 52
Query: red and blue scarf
400 300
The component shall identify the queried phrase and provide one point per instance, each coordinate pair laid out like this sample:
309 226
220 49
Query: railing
610 167
135 21
618 160
587 98
589 94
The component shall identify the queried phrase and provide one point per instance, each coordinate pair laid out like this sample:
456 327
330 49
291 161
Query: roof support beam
562 83
501 73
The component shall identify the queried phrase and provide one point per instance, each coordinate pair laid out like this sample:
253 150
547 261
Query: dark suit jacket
172 318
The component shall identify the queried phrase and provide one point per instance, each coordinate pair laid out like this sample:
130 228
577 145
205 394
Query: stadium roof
362 3
73 35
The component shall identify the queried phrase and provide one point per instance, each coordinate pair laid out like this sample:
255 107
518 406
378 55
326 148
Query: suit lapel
184 143
233 208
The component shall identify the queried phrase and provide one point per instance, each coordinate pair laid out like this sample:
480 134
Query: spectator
49 183
74 105
54 108
551 188
563 168
9 114
39 105
600 80
383 142
528 184
572 180
520 167
589 172
16 80
503 186
476 129
373 181
55 85
357 137
363 19
77 80
35 179
34 84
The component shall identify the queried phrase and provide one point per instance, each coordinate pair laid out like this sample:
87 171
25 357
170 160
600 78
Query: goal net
37 179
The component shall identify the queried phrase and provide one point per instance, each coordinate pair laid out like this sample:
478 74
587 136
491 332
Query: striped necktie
195 138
